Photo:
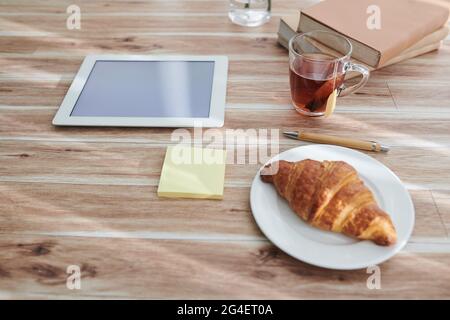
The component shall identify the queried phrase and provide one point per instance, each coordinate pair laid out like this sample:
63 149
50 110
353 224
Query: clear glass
318 63
249 13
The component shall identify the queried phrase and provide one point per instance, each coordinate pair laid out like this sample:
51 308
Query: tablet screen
147 89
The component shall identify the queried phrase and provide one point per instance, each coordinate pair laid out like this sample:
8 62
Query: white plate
325 248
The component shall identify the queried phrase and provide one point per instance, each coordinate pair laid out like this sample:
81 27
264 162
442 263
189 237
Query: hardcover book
288 25
402 23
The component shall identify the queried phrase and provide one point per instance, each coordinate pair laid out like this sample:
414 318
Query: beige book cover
428 43
402 23
288 24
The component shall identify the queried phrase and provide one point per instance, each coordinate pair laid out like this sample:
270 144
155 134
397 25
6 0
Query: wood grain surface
87 196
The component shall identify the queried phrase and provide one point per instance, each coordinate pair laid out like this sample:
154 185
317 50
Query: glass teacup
318 63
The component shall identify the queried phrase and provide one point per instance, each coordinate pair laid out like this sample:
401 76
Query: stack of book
382 32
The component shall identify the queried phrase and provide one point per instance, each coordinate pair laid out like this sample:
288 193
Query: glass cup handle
344 90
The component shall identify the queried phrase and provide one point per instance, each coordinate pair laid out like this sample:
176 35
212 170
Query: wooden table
87 196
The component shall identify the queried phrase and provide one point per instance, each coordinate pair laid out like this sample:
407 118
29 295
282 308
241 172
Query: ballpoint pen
340 141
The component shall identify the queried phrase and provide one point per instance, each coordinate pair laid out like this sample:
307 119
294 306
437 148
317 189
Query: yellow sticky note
191 172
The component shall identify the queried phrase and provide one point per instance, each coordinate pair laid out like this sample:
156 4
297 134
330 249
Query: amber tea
312 84
318 62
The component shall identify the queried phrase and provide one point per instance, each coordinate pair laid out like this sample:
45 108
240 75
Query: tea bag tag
331 103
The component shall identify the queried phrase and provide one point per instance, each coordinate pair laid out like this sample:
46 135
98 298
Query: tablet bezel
217 104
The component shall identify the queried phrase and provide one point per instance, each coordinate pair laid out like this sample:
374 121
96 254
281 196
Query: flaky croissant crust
330 195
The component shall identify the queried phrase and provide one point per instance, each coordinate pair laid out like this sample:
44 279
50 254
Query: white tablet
146 91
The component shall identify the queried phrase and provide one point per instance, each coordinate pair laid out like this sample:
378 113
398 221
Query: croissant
329 195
